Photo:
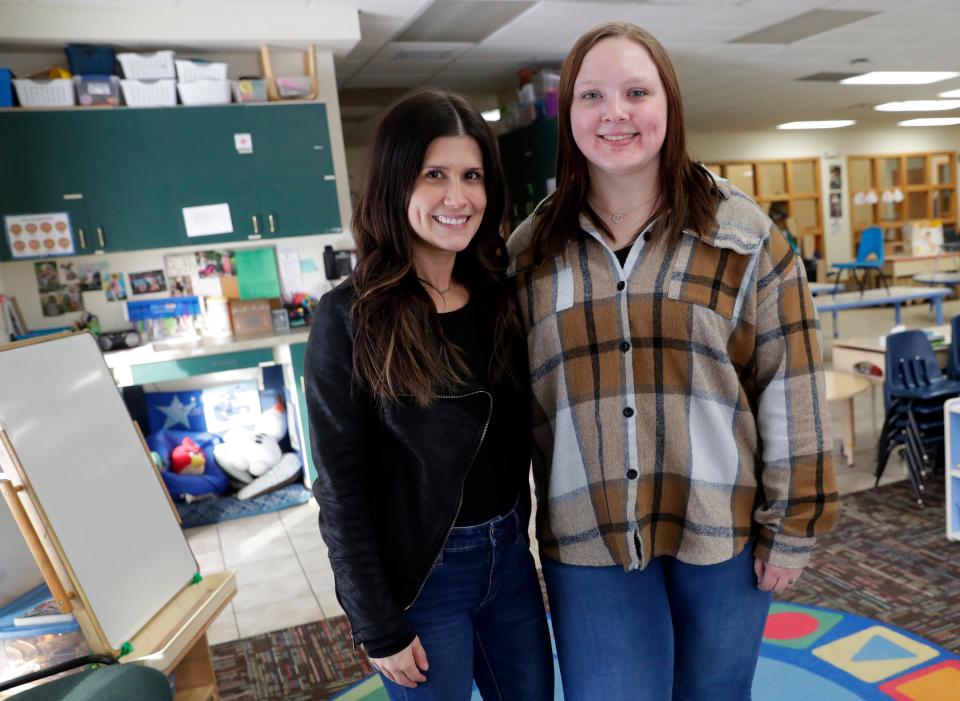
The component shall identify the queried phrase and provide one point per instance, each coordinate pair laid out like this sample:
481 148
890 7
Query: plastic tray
250 90
97 89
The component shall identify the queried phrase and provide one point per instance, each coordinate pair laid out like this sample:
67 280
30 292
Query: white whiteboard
93 479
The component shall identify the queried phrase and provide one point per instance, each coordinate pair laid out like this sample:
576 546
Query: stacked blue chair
914 391
869 257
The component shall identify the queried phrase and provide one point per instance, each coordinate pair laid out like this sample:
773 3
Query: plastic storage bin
160 319
91 59
97 89
6 87
159 64
250 90
25 649
294 86
149 93
189 70
205 92
44 93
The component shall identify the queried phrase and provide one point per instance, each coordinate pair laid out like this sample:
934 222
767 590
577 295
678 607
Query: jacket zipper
463 480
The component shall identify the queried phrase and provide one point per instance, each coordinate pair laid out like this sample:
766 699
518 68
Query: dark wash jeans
480 617
670 632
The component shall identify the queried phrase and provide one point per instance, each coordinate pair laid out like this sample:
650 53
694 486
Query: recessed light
930 122
919 106
900 78
822 124
491 115
950 93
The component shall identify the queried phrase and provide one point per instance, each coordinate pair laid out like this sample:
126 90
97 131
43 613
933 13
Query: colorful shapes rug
816 653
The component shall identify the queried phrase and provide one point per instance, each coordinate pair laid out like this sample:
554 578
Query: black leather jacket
390 480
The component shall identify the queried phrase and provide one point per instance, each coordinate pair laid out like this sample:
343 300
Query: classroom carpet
875 616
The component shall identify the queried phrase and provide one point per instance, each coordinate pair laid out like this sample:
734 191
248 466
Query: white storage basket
44 93
190 71
149 93
205 92
159 64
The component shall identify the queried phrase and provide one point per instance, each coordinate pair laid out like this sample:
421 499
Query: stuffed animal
187 458
253 458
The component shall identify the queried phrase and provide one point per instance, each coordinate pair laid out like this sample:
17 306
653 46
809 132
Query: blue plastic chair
915 390
953 356
869 257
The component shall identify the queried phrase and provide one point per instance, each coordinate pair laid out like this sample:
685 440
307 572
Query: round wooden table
843 387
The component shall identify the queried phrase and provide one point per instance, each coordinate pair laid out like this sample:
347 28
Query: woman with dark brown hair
682 436
418 399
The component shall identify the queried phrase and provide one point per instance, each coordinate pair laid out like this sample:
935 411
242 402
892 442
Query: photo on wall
51 303
114 287
147 282
48 278
836 177
836 205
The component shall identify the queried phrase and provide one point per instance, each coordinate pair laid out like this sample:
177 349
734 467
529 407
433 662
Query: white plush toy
254 457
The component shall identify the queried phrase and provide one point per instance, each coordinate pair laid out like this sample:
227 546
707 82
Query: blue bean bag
213 481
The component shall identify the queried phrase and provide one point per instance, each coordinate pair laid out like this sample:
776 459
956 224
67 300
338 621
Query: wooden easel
173 640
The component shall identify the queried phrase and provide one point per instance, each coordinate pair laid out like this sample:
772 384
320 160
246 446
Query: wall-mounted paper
288 259
208 220
39 235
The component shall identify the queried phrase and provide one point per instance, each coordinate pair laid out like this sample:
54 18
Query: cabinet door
41 171
295 179
206 168
297 353
125 179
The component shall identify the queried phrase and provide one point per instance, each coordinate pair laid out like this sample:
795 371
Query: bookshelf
793 181
889 190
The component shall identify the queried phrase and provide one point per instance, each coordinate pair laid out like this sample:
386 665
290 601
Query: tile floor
283 574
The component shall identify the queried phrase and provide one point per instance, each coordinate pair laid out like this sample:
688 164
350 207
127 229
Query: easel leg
196 671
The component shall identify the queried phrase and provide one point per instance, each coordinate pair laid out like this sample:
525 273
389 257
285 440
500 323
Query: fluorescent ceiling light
950 93
823 124
918 106
930 122
899 78
491 115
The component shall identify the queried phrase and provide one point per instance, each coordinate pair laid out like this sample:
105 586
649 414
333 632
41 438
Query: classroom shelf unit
951 421
926 183
795 182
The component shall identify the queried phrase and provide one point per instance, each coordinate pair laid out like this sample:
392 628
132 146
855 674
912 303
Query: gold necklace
618 218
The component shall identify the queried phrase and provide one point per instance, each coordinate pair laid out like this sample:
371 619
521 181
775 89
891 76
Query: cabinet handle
273 228
256 224
83 237
103 243
303 390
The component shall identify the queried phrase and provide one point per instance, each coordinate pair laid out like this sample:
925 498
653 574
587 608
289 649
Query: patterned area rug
888 562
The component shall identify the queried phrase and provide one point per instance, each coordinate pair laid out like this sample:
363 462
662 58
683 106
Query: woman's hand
773 578
405 667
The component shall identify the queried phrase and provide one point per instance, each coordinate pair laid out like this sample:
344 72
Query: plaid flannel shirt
679 400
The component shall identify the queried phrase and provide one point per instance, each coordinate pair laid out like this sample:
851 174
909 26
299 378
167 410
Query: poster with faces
39 235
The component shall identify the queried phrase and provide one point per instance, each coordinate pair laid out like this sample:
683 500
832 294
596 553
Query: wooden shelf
768 181
200 693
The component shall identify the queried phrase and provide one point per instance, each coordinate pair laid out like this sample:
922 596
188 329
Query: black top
623 253
493 482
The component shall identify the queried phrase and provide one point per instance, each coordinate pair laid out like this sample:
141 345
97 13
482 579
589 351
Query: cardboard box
251 317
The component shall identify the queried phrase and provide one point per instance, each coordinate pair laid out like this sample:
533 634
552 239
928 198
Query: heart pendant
617 218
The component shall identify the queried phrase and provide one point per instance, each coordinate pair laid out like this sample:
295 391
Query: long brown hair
399 348
687 191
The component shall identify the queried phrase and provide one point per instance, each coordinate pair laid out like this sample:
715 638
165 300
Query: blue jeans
480 617
672 631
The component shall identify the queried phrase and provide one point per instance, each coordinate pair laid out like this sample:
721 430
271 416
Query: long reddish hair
688 195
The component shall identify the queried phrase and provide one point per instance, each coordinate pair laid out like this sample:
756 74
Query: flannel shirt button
624 346
628 412
646 235
632 474
621 285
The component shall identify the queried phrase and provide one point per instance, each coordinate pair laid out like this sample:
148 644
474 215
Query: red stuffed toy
187 458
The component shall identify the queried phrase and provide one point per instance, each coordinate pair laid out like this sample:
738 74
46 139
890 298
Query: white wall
832 146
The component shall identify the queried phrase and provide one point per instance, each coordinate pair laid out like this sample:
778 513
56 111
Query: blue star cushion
175 410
